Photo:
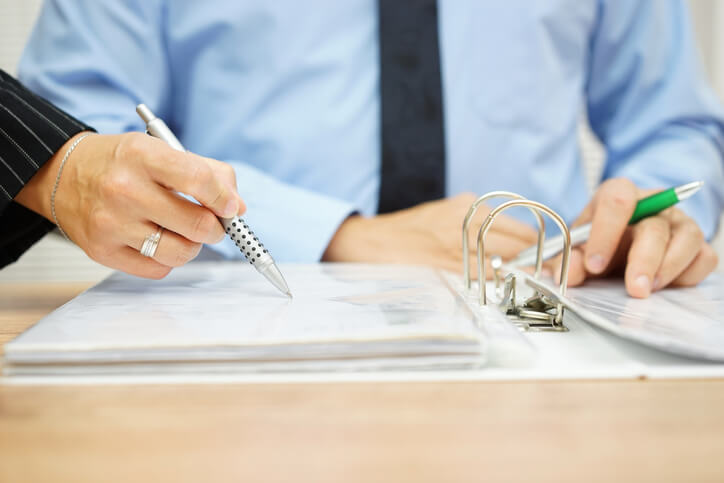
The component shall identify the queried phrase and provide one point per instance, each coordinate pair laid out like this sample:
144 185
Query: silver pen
235 227
648 206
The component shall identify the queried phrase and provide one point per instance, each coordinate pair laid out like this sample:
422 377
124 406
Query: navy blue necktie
413 143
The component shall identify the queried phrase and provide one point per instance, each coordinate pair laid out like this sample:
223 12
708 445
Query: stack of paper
225 320
227 317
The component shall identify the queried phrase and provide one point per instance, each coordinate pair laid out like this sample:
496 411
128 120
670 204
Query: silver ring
150 244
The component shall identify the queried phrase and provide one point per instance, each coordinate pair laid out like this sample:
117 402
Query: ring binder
466 228
544 310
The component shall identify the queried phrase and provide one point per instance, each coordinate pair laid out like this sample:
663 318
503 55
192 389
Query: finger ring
151 243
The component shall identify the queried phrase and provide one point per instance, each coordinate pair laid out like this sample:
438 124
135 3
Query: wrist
35 195
339 247
364 239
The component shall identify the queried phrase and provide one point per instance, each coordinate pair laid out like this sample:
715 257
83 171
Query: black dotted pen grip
245 239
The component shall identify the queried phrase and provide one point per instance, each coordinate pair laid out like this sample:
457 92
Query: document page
685 321
228 311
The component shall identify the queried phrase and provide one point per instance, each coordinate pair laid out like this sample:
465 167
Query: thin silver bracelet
57 182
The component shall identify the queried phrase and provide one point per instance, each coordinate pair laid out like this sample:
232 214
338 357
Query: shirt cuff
669 164
21 229
294 224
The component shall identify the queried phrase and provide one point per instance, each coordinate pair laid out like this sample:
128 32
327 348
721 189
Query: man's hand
116 190
666 249
427 234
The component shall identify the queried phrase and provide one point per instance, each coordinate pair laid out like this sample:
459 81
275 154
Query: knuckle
708 255
692 230
99 221
229 173
203 226
626 183
220 197
98 251
106 185
620 200
656 228
159 272
618 193
130 146
186 252
117 184
201 176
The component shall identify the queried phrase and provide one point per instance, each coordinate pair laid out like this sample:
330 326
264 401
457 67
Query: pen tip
686 191
289 294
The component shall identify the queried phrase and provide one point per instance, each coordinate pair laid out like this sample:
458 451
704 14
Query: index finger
212 183
612 209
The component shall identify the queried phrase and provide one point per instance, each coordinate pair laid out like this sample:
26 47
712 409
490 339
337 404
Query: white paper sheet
684 321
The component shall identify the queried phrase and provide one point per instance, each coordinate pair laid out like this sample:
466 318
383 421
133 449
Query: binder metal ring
466 228
540 208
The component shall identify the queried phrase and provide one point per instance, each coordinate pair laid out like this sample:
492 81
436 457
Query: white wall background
55 259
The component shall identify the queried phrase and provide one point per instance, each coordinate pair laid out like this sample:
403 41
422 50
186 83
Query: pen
645 207
235 227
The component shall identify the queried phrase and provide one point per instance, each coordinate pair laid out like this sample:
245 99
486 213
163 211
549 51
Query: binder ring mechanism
541 312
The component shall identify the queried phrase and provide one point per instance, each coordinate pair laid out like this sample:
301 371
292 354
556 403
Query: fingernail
657 283
643 282
596 263
231 208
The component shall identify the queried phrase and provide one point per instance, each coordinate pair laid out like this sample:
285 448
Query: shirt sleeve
650 105
71 60
31 131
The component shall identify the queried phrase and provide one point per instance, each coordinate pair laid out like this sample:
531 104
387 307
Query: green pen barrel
653 204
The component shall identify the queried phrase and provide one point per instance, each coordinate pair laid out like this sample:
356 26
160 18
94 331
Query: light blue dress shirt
287 92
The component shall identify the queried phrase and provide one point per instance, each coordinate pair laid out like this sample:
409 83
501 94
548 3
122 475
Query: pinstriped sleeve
31 131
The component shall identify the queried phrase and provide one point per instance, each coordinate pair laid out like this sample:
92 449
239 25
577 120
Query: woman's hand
116 190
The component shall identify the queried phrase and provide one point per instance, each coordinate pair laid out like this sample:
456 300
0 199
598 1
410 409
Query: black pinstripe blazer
31 131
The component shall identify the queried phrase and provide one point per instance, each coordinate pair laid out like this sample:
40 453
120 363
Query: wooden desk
366 432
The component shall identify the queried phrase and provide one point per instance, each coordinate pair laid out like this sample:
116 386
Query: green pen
649 206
